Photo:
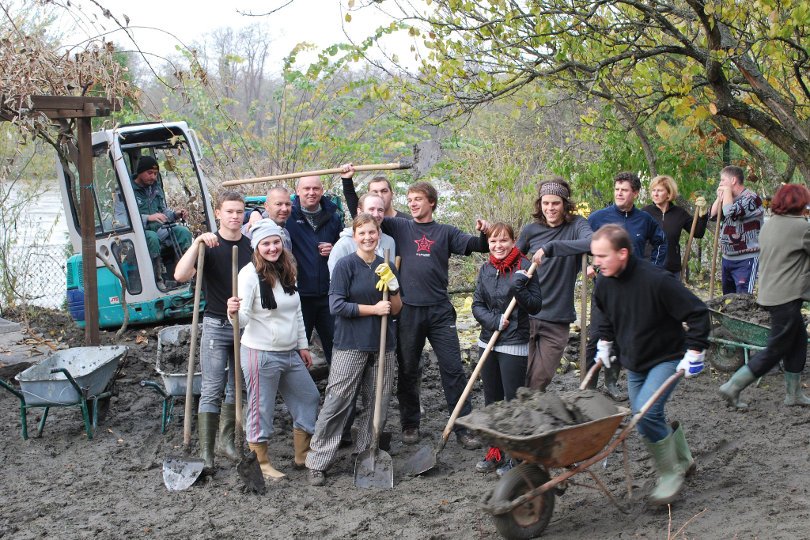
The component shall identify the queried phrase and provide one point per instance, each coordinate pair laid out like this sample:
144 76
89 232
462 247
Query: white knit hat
264 228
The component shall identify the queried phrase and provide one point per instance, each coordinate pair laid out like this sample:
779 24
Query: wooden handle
689 245
237 355
583 319
192 350
375 436
453 417
320 172
714 251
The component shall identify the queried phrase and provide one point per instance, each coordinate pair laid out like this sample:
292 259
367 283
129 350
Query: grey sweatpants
269 372
349 370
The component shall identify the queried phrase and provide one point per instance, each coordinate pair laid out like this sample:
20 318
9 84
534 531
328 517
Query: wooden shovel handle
714 251
319 172
375 436
192 351
457 410
688 249
237 355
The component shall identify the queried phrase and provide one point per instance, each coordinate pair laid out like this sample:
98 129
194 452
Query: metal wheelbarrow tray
174 383
68 378
522 502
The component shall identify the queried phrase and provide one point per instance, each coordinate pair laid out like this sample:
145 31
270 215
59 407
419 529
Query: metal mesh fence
38 273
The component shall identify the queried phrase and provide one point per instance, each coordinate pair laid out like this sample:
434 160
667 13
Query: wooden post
88 227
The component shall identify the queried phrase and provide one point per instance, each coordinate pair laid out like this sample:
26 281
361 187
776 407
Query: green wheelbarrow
732 340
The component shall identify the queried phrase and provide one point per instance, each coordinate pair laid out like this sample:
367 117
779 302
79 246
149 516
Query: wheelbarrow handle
653 398
590 375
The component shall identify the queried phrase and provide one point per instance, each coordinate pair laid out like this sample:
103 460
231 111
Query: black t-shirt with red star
425 249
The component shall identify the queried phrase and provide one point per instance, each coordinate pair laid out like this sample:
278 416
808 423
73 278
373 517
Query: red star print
423 244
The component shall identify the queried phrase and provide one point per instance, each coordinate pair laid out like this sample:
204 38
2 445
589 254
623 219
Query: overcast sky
152 23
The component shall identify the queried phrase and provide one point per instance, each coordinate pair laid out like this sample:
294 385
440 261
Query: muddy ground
751 480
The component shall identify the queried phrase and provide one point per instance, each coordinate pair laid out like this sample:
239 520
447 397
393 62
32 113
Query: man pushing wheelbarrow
645 308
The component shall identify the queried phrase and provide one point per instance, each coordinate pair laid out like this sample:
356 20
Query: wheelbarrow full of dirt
75 377
522 502
172 366
732 340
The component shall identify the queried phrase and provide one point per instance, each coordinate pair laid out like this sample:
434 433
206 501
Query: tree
741 67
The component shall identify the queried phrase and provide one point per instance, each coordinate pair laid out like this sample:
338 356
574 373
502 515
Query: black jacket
644 308
494 291
673 222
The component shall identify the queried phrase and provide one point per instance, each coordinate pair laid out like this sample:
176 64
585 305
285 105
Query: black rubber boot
207 423
227 425
611 380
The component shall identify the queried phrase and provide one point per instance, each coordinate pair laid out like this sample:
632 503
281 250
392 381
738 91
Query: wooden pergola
82 109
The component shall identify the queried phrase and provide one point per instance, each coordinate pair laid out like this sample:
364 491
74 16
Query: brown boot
268 471
301 444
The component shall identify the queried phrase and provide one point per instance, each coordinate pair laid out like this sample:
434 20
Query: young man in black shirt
216 344
427 313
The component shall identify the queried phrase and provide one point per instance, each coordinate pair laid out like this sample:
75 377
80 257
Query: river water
37 240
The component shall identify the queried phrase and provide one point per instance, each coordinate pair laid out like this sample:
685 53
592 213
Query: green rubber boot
227 425
736 384
207 423
682 449
669 469
793 390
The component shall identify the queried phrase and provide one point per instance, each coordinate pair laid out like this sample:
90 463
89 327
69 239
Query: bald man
314 226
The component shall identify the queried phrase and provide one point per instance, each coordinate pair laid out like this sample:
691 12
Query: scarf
267 296
508 263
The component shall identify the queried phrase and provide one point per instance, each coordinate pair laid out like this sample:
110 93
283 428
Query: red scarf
508 263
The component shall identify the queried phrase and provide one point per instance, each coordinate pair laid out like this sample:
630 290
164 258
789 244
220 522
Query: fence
39 274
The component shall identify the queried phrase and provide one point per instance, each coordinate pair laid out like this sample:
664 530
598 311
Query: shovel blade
180 474
374 469
251 473
421 462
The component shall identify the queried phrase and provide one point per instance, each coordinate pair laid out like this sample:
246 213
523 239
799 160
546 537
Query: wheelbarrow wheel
529 519
726 358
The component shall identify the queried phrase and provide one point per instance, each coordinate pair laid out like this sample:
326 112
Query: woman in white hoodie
275 352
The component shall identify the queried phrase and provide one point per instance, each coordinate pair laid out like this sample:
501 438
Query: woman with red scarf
501 278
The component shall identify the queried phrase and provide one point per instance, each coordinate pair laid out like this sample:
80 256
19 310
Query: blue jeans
216 354
640 386
266 374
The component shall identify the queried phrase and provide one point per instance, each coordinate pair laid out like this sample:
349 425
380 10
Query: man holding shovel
427 313
216 349
644 309
379 185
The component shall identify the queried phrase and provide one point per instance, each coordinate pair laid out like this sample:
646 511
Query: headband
555 188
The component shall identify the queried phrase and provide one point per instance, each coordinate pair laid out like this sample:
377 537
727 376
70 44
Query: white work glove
603 352
503 322
700 202
691 363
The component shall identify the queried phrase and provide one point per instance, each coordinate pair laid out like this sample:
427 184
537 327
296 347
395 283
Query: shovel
248 467
374 467
425 155
181 473
426 458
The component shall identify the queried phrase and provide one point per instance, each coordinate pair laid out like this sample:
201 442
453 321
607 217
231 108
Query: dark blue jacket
313 273
641 227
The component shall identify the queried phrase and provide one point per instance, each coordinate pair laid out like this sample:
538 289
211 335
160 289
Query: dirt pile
534 413
743 306
174 344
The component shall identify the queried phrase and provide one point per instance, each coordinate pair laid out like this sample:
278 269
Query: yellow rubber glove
387 279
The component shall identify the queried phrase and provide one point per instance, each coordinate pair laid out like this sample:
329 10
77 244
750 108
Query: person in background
500 279
643 230
356 301
379 185
277 206
216 343
275 351
661 328
673 219
784 284
371 204
314 226
742 215
556 237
